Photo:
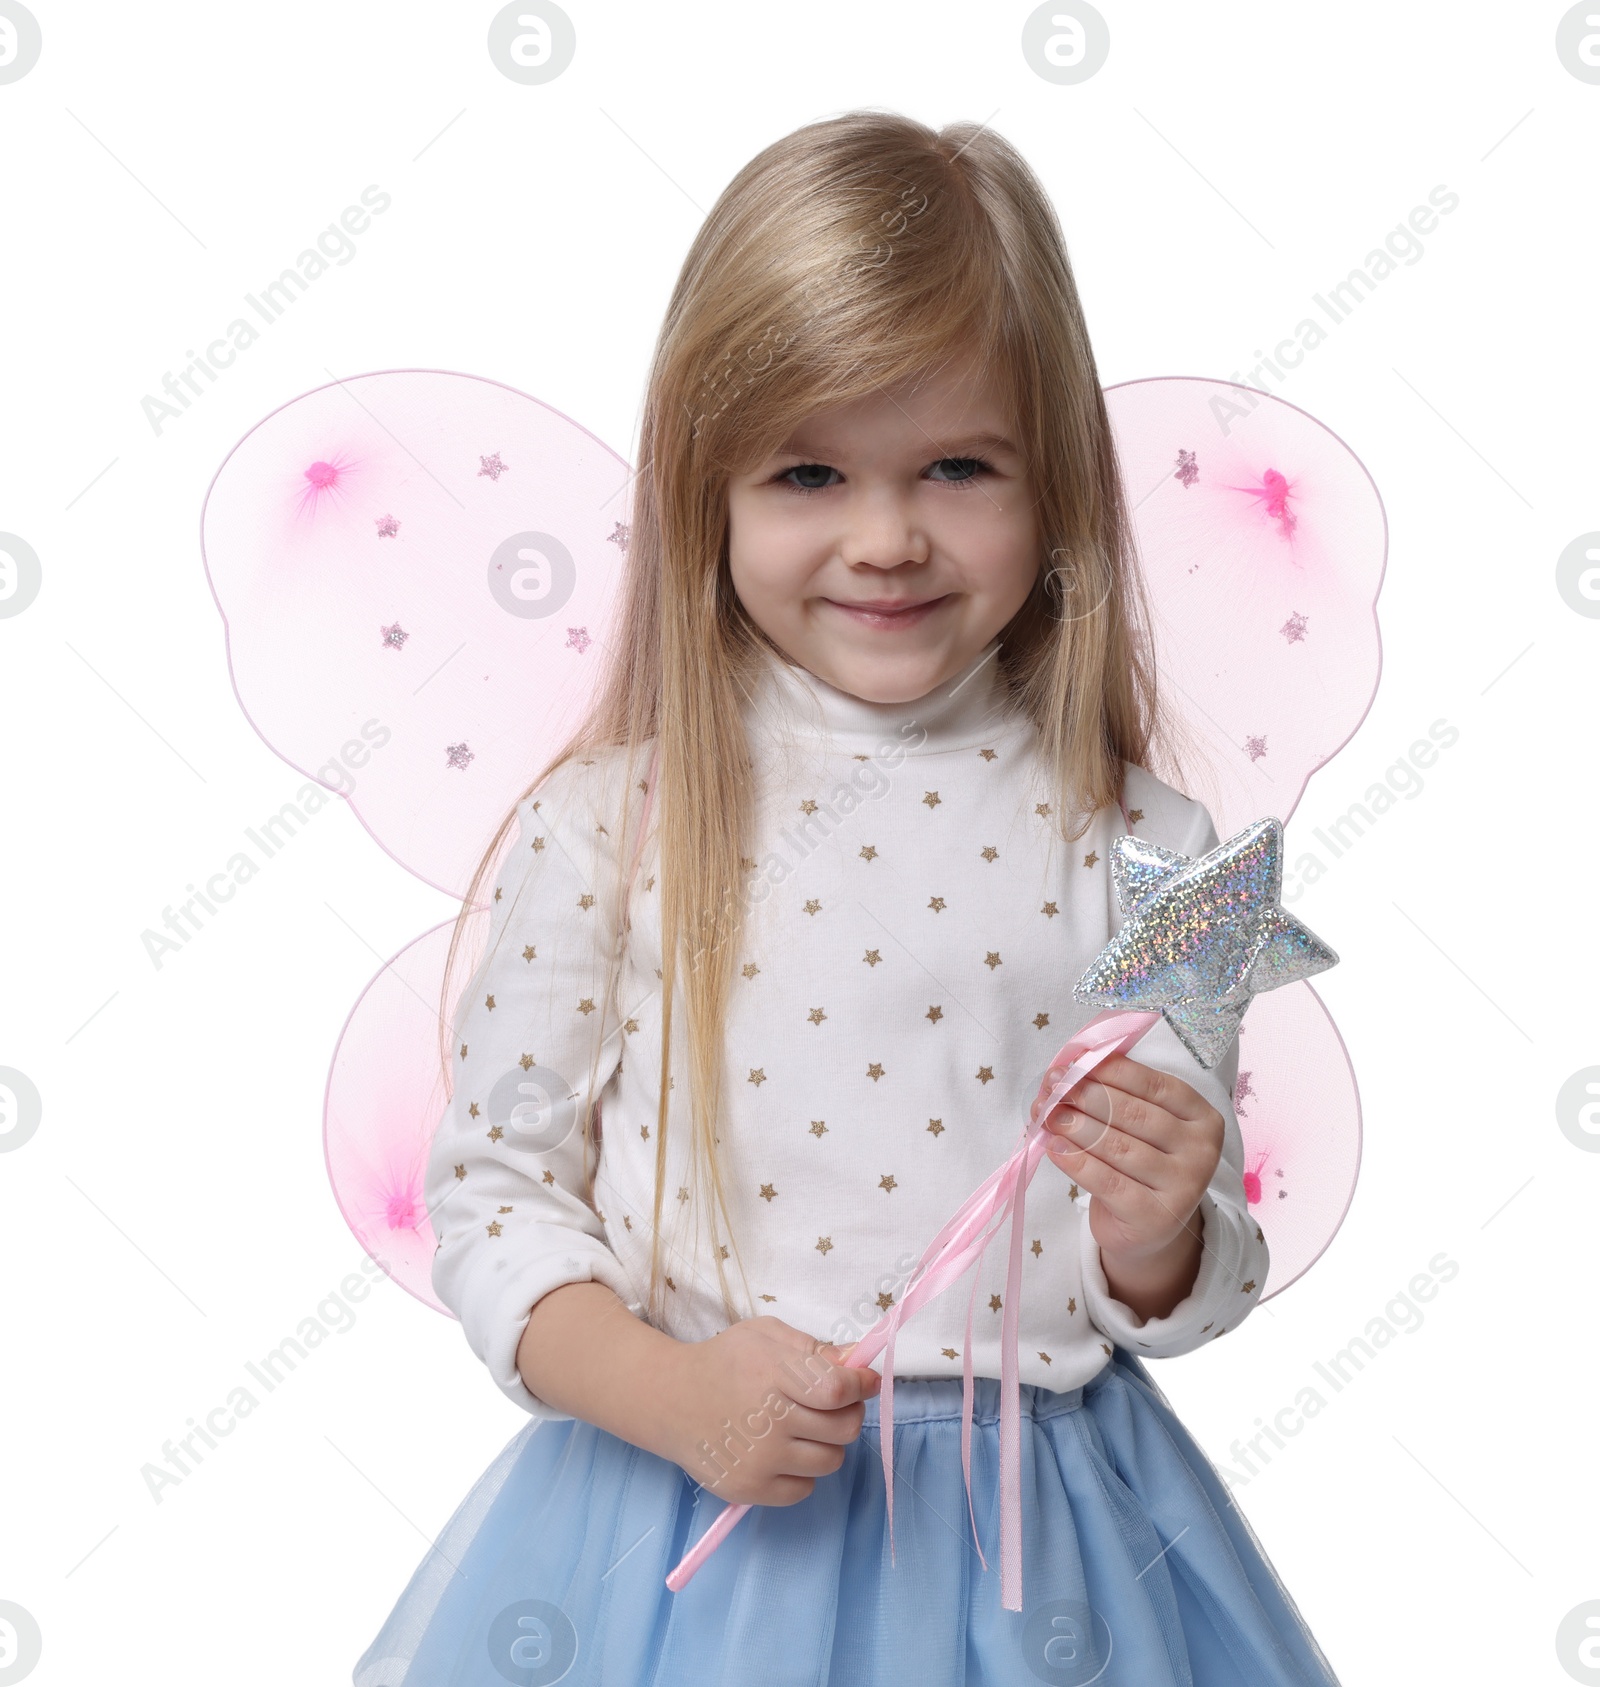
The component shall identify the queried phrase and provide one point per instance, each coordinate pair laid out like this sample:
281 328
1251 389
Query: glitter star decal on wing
1201 936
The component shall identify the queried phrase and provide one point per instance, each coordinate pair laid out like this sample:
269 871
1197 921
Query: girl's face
891 538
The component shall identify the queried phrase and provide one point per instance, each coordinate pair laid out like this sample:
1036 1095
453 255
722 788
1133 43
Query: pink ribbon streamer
961 1243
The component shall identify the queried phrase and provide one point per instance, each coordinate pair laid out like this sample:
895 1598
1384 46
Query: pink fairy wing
1300 1117
418 573
1263 542
385 1093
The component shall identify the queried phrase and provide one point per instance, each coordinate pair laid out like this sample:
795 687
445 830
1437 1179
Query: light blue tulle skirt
1138 1570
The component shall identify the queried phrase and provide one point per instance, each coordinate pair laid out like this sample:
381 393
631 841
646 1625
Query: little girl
777 961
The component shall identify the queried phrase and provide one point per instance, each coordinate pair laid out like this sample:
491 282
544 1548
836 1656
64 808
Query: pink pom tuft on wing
1274 496
1252 1179
404 1208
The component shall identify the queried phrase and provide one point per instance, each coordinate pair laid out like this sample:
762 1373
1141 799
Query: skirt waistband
927 1399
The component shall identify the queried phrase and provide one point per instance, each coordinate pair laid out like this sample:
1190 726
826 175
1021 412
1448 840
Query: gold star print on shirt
912 918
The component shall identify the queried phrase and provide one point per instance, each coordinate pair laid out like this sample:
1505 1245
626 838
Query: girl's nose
882 531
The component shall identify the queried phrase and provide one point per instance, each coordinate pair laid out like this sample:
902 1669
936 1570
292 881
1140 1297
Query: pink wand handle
705 1546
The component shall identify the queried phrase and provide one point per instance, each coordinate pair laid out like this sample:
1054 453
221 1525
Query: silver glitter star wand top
1201 936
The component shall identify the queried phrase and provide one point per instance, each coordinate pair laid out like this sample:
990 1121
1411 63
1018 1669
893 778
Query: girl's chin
887 672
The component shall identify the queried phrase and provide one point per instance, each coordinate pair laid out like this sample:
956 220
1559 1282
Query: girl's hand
1146 1145
760 1410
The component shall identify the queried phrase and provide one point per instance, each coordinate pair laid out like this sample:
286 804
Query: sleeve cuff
1228 1284
496 1300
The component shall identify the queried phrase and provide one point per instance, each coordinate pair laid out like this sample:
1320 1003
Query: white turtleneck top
914 929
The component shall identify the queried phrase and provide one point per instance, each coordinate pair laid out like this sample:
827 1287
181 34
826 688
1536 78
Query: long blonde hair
844 257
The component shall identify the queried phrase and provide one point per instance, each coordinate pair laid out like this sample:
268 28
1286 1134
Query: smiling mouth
890 613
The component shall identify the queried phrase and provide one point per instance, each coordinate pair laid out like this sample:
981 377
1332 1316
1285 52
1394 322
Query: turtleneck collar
966 712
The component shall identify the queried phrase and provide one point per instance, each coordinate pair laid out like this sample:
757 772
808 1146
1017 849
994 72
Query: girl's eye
806 469
974 466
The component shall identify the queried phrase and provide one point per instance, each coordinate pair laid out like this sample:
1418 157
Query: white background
171 1219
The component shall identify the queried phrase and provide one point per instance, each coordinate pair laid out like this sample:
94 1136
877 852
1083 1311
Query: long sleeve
535 1037
1234 1255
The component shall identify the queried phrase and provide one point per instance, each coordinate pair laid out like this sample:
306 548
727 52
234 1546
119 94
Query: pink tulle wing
1263 542
1300 1117
418 573
385 1095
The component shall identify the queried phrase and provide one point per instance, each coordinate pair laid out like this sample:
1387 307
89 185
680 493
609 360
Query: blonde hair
850 254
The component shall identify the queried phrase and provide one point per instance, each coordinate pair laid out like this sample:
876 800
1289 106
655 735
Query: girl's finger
837 1427
1127 1112
1138 1114
1103 1182
1158 1089
1134 1159
1139 1209
1158 1191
